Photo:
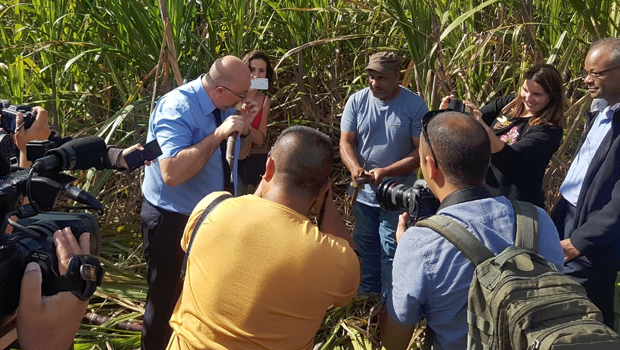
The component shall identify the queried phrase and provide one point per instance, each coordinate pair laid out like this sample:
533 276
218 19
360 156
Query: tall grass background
98 65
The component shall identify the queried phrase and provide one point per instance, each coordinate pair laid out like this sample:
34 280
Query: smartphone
259 84
136 158
456 105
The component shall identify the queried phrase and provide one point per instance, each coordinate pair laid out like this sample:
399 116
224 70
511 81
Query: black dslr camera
418 200
32 236
8 116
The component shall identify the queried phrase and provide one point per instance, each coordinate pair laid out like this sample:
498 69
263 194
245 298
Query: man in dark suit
588 215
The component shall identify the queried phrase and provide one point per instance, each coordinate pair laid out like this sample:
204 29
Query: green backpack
517 299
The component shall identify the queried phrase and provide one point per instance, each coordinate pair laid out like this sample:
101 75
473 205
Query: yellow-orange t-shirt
259 276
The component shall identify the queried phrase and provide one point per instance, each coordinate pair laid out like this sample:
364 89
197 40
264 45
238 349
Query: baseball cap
384 62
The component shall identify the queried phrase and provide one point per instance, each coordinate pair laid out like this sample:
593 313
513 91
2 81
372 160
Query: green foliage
96 65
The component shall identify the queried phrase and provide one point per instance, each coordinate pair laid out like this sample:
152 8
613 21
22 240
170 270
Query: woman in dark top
524 132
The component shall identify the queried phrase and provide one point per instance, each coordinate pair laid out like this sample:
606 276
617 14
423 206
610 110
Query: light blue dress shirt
571 187
182 118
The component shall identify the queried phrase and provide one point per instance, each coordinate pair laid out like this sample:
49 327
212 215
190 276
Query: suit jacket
596 227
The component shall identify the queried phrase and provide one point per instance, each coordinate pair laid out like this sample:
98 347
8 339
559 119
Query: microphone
81 154
81 196
230 152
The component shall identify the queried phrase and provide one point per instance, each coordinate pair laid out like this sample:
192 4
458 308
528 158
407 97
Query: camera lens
384 195
393 195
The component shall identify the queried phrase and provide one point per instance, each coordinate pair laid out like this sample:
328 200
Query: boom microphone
81 154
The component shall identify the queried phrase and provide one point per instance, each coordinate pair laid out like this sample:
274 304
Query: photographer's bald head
463 152
298 168
228 81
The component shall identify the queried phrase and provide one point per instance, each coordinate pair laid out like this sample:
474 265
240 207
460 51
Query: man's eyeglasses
425 120
242 97
596 75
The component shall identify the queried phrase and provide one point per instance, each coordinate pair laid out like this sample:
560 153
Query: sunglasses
425 121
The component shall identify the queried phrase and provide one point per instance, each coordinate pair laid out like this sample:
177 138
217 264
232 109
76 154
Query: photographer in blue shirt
431 277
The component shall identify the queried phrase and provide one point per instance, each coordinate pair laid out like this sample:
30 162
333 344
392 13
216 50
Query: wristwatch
248 134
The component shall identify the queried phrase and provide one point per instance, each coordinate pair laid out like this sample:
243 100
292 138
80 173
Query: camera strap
83 276
197 225
465 195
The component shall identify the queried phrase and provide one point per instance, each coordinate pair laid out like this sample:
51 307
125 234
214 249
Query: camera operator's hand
496 144
50 322
331 222
446 101
402 226
474 112
39 130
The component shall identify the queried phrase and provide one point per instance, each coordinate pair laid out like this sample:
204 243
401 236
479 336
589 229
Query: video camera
32 238
418 200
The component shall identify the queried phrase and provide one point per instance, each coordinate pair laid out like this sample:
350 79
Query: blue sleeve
549 240
348 122
416 122
171 129
410 283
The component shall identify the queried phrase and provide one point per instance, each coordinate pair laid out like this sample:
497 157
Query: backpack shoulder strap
526 217
202 217
456 234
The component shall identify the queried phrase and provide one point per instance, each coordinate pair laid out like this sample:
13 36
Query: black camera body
456 105
31 239
417 200
21 248
8 116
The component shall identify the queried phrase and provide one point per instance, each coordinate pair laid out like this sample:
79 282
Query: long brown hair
257 54
553 113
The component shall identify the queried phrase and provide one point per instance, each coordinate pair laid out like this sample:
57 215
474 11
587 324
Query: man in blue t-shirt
431 277
379 138
191 124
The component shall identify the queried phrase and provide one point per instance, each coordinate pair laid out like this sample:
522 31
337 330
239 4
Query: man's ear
431 166
270 169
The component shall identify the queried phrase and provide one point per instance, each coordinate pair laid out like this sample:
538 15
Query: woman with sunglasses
252 167
525 130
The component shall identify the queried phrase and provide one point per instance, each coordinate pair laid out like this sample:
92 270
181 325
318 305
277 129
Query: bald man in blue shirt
191 124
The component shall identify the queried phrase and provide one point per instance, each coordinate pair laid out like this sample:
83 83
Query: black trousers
161 232
601 289
599 283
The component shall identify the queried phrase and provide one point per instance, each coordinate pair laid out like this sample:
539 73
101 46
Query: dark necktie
228 186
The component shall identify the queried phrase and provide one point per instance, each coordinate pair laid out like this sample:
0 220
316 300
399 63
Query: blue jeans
375 240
